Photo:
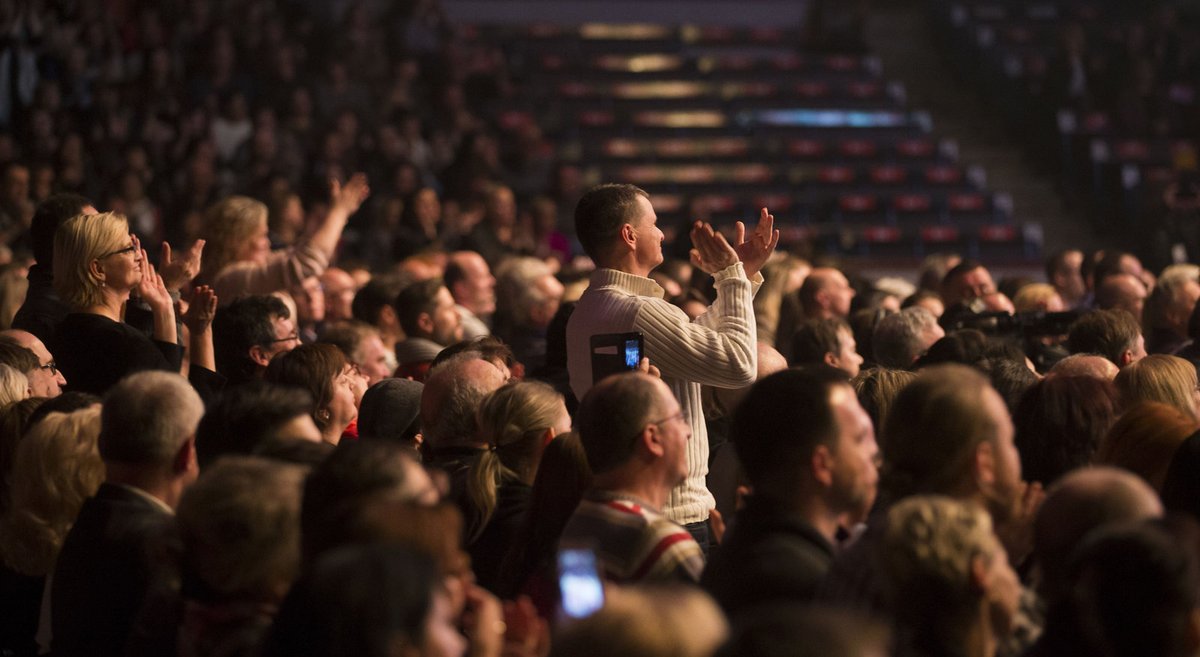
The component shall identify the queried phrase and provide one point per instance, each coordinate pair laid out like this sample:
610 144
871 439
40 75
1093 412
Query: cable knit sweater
718 349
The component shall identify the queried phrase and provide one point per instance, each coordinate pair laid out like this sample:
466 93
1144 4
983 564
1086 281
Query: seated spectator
391 410
1084 364
948 577
473 287
1060 422
240 260
663 621
1080 503
792 433
877 389
43 311
828 341
1169 307
240 530
1122 292
1160 378
517 422
56 467
309 299
1145 438
248 333
1064 271
340 288
373 305
635 437
826 293
430 322
900 339
529 296
108 559
965 282
1113 334
240 421
97 264
362 346
322 371
44 380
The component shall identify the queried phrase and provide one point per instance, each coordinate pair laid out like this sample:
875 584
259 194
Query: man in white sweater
617 226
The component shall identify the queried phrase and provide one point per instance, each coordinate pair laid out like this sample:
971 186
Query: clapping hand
754 252
179 272
201 310
711 252
151 289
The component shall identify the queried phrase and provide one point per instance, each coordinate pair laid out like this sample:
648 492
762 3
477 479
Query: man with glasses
636 438
44 380
248 333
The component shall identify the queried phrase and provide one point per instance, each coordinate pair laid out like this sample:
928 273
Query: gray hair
897 338
14 385
516 287
147 417
452 395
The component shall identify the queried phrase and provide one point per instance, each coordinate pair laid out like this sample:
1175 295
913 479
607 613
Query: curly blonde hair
57 466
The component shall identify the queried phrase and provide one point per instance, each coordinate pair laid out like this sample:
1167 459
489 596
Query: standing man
617 226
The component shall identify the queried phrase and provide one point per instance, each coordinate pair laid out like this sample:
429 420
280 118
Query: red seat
943 174
859 148
911 203
807 148
889 174
836 175
858 203
915 147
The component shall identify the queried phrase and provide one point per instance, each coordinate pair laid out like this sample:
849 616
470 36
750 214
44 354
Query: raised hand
177 272
201 310
711 252
151 289
349 197
754 252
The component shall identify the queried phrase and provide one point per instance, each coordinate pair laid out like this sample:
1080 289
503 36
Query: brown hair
312 367
1145 439
1161 378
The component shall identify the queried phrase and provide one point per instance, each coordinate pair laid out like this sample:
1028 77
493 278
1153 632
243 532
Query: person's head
453 392
1038 296
50 214
949 433
801 434
373 302
45 380
240 529
251 331
391 410
647 621
1084 364
529 293
309 298
148 431
946 571
1170 304
927 299
616 224
901 338
1114 334
828 341
375 600
632 422
471 283
1060 422
1064 271
340 289
357 472
426 310
796 629
1122 292
362 345
1077 504
236 231
56 467
826 293
1145 438
1161 378
324 373
249 415
92 253
14 386
966 281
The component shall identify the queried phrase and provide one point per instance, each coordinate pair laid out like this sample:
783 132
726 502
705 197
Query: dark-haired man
431 322
248 333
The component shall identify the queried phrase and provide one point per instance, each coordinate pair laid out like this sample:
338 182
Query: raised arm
344 201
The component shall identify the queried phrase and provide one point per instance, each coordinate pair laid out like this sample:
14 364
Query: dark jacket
42 311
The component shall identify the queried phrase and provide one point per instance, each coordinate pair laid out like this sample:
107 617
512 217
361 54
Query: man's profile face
286 337
447 324
855 474
477 290
44 381
1007 460
649 238
847 358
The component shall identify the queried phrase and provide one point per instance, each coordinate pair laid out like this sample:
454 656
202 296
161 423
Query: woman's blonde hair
14 385
512 421
228 225
57 466
1161 378
81 240
1034 296
1145 439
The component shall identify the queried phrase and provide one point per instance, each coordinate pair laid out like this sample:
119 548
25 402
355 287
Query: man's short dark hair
815 338
1057 262
781 421
245 323
379 292
414 300
49 215
19 358
241 418
601 212
1109 333
346 336
958 271
611 416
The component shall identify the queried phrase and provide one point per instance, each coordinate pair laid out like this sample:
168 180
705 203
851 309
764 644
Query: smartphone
579 584
613 353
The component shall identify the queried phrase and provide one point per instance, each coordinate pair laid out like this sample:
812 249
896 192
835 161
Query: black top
94 352
769 555
42 311
487 552
20 607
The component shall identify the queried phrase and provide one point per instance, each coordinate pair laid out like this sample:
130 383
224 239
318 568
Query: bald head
826 293
1123 291
1079 503
452 393
1093 365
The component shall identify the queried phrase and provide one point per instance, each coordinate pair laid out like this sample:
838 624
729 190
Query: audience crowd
369 404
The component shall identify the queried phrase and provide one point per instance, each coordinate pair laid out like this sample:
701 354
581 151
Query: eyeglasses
52 366
290 338
677 416
129 249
